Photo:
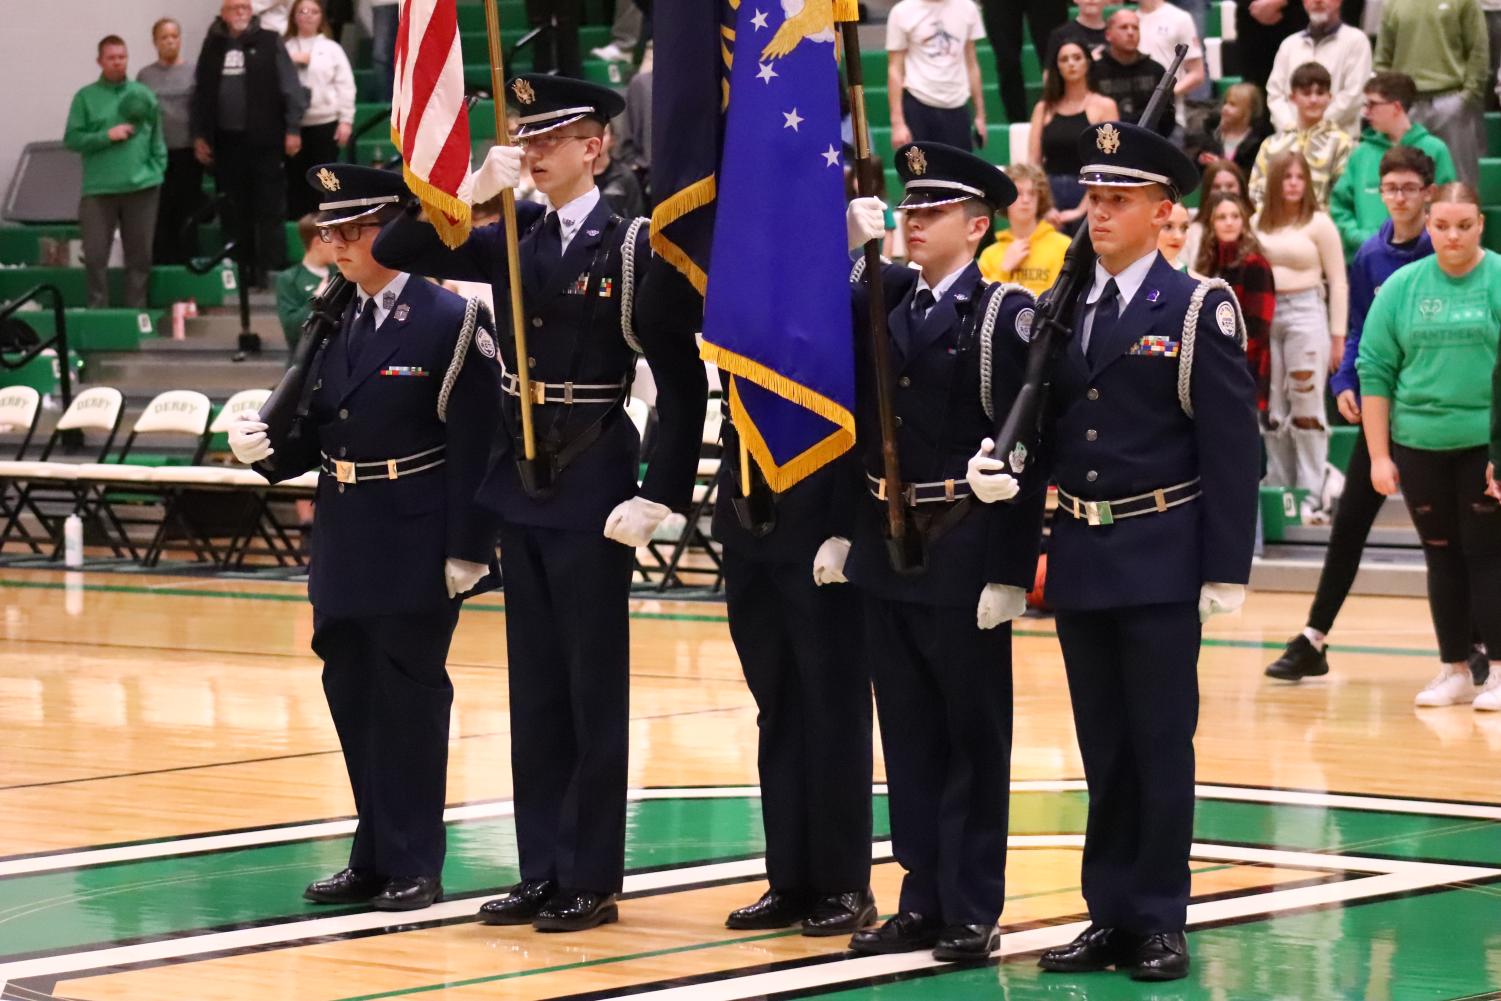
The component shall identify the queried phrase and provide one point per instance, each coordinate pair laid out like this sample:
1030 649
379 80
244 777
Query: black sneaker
1300 660
1480 665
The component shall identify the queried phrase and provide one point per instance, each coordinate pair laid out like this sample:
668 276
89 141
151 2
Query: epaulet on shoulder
1225 319
476 314
993 296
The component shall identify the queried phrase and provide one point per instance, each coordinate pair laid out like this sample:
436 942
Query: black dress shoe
775 909
904 932
1299 660
575 910
1480 665
1096 948
520 904
1160 956
841 914
967 943
348 886
408 893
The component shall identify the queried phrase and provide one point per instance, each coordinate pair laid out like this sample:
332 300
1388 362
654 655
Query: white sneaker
611 53
1489 698
1451 687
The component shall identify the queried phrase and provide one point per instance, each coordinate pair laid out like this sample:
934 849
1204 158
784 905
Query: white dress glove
828 562
633 521
985 479
1000 603
501 170
864 221
247 438
1220 599
460 576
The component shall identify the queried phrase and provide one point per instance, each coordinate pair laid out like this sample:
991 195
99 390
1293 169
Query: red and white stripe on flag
429 120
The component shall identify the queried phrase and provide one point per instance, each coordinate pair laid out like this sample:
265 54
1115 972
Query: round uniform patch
1024 323
1224 316
485 343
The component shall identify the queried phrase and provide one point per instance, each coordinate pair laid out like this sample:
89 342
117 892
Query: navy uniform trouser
568 640
1134 682
386 681
943 696
812 692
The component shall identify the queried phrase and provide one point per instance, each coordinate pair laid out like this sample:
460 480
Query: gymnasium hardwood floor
169 780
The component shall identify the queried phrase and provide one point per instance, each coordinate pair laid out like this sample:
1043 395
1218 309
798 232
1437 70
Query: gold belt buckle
344 471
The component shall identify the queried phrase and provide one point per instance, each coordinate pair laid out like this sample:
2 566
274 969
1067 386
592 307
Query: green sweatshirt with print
110 167
1355 203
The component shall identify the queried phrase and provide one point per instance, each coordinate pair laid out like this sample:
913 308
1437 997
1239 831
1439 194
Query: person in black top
1088 29
1069 105
1123 73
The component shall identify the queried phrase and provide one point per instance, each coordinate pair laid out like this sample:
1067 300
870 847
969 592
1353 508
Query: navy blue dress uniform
402 411
1153 433
942 684
586 278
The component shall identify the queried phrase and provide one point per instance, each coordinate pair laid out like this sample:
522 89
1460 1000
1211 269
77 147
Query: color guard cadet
1154 440
572 517
942 665
402 403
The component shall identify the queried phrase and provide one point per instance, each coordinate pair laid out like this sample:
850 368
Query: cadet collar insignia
1224 316
1024 324
387 300
917 162
328 180
1108 139
402 312
1017 460
485 343
523 91
1153 295
593 232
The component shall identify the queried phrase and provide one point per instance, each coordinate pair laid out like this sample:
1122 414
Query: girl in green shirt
1425 364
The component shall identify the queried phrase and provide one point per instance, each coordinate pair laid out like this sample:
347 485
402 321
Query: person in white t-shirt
1163 28
931 64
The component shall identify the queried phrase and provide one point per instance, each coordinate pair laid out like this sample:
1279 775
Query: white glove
633 521
985 479
864 221
672 528
828 562
501 170
1220 599
460 576
247 438
1000 603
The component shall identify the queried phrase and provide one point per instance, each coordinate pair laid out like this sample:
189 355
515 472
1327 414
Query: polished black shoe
841 914
775 909
520 903
904 932
1096 948
576 910
408 893
348 886
967 943
1160 956
1299 660
1480 665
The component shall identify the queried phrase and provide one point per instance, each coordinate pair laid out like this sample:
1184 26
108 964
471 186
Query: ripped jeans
1460 528
1297 439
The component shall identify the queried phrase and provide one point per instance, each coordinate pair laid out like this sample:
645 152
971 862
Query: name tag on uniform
1156 345
408 371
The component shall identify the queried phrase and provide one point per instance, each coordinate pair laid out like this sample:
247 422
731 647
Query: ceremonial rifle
287 407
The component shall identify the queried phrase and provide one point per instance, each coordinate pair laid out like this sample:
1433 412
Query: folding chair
20 413
44 482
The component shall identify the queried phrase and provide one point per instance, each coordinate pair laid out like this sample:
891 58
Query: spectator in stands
1356 203
557 49
1174 235
1088 29
1030 250
385 18
274 15
633 126
247 116
171 80
1443 47
932 72
1342 50
296 286
1220 175
339 13
1125 74
616 182
1324 145
1406 180
625 34
1261 26
1308 330
1230 251
1425 364
1235 133
1165 26
114 124
1003 23
1069 105
326 76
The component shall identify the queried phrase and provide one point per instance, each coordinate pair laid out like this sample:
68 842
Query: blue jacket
1374 263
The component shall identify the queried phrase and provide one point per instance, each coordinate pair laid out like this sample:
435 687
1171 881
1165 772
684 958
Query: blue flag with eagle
777 309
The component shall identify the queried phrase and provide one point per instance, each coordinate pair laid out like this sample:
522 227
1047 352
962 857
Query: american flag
429 120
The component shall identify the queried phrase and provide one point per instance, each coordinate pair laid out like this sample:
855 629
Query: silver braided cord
987 341
858 271
1190 332
628 282
474 310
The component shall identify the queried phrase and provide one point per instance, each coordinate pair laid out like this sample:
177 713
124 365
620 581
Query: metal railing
58 340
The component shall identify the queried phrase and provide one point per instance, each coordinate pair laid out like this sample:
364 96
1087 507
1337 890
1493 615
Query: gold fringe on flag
450 217
694 196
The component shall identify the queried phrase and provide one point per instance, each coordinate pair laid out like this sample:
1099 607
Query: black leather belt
1106 512
347 471
936 492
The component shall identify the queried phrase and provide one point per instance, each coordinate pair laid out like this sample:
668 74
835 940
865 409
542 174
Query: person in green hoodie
114 124
1356 202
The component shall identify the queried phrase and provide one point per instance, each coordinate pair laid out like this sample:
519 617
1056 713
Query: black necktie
1106 313
360 333
549 249
922 302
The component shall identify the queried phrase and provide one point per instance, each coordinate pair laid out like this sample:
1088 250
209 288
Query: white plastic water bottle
73 541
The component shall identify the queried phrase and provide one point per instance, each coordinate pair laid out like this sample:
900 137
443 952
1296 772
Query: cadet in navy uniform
941 663
567 551
402 413
1153 433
